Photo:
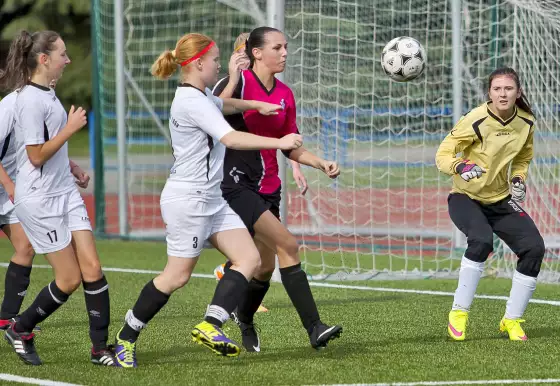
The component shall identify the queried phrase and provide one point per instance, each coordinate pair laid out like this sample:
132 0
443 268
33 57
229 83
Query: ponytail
16 73
164 66
22 62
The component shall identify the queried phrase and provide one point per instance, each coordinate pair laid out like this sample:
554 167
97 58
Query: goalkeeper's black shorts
250 205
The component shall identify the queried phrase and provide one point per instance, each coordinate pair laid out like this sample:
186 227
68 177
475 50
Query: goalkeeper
493 138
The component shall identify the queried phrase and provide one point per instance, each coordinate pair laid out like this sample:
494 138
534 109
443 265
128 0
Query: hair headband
200 54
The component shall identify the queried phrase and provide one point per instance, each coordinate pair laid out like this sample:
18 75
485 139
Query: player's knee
266 268
250 263
530 259
69 283
181 280
24 253
91 270
479 247
289 246
178 278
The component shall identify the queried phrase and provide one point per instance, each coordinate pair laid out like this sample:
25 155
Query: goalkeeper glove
518 189
468 171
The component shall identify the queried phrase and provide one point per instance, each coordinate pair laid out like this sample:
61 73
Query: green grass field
388 336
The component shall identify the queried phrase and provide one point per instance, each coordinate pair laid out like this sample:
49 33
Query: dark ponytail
522 101
22 61
257 39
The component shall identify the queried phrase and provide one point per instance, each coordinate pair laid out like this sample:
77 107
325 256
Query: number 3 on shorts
53 237
195 242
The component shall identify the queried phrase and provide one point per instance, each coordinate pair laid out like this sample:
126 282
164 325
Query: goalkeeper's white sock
469 275
522 288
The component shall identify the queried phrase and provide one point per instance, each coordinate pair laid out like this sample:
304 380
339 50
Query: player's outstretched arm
41 153
305 157
240 140
234 106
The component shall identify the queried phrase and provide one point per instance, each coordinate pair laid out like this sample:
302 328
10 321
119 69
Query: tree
71 18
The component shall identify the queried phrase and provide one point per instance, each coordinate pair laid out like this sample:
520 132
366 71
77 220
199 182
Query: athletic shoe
456 328
125 352
23 345
513 328
321 335
105 357
213 337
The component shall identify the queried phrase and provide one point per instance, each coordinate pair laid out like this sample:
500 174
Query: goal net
386 216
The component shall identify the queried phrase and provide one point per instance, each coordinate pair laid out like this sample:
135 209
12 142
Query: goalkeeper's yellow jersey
492 143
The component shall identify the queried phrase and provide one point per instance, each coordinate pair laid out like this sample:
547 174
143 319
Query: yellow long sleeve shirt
492 143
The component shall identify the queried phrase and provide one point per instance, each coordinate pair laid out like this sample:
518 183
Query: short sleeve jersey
39 117
257 169
196 124
7 142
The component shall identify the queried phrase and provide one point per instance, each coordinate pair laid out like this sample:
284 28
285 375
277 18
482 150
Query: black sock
295 282
47 302
230 289
99 312
15 288
249 304
228 266
149 303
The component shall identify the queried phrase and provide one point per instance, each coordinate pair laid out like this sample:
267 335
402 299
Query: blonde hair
187 47
240 42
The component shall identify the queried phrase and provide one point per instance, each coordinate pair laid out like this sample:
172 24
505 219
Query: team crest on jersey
283 104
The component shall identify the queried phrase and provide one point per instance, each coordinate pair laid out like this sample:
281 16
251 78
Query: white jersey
7 145
39 117
196 124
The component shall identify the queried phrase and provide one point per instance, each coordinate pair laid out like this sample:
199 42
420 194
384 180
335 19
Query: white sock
469 275
522 288
133 322
217 312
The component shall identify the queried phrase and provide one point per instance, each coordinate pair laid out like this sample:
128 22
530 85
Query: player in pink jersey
240 61
252 186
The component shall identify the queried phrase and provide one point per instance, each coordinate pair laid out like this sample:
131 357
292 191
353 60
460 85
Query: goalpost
386 216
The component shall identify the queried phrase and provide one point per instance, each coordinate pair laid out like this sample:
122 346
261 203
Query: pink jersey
275 126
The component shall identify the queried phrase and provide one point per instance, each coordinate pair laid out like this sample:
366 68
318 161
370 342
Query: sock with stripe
47 302
98 307
229 291
149 303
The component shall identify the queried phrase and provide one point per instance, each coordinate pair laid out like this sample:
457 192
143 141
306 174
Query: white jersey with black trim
196 124
7 144
39 117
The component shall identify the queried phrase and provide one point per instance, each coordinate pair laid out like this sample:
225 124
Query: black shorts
250 205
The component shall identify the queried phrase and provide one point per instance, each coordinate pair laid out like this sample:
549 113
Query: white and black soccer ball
403 59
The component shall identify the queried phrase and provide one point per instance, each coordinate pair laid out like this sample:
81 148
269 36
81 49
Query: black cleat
104 357
23 345
5 323
249 334
322 334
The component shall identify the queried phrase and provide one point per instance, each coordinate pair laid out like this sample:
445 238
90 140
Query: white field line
331 285
441 383
32 381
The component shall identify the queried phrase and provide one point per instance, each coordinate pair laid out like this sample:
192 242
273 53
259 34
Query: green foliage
71 18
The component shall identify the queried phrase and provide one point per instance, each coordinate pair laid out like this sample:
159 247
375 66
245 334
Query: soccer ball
403 59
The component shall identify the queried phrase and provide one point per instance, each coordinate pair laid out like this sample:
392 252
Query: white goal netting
386 216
